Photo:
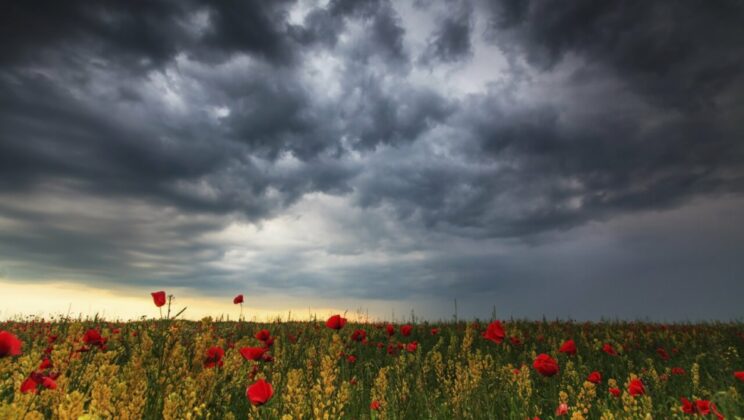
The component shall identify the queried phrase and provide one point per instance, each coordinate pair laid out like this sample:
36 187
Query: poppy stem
30 402
179 312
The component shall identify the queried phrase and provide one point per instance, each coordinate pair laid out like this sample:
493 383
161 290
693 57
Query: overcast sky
582 159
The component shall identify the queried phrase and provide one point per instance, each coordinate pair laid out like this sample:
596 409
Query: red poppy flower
687 406
662 353
263 335
607 348
10 345
374 405
29 385
259 393
45 364
412 347
49 383
214 357
495 332
739 375
358 335
238 299
678 371
351 358
336 322
702 407
252 353
615 391
568 347
390 329
158 298
434 331
406 330
562 409
545 365
392 349
635 387
594 377
93 337
515 341
35 379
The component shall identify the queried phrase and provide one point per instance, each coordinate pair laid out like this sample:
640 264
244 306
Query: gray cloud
396 162
679 56
451 41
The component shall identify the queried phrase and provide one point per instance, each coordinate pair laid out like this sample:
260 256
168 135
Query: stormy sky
582 159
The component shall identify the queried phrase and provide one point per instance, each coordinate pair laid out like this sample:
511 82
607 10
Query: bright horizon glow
81 301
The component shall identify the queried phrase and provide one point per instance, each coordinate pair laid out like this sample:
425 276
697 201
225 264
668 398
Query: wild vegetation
327 369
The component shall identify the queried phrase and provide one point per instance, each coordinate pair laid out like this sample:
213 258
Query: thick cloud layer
406 151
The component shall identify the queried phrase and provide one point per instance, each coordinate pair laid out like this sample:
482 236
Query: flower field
331 368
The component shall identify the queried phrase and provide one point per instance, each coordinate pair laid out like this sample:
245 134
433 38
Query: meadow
330 368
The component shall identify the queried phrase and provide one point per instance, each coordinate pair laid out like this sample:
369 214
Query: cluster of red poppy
336 322
261 353
42 378
93 338
547 366
260 392
214 357
702 407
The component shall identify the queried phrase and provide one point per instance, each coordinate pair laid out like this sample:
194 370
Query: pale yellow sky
59 298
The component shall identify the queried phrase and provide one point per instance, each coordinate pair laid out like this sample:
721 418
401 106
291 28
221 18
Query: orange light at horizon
59 298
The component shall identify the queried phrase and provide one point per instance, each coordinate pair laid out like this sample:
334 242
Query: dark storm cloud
680 54
131 136
250 26
451 41
147 34
152 30
550 170
385 31
382 28
391 117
